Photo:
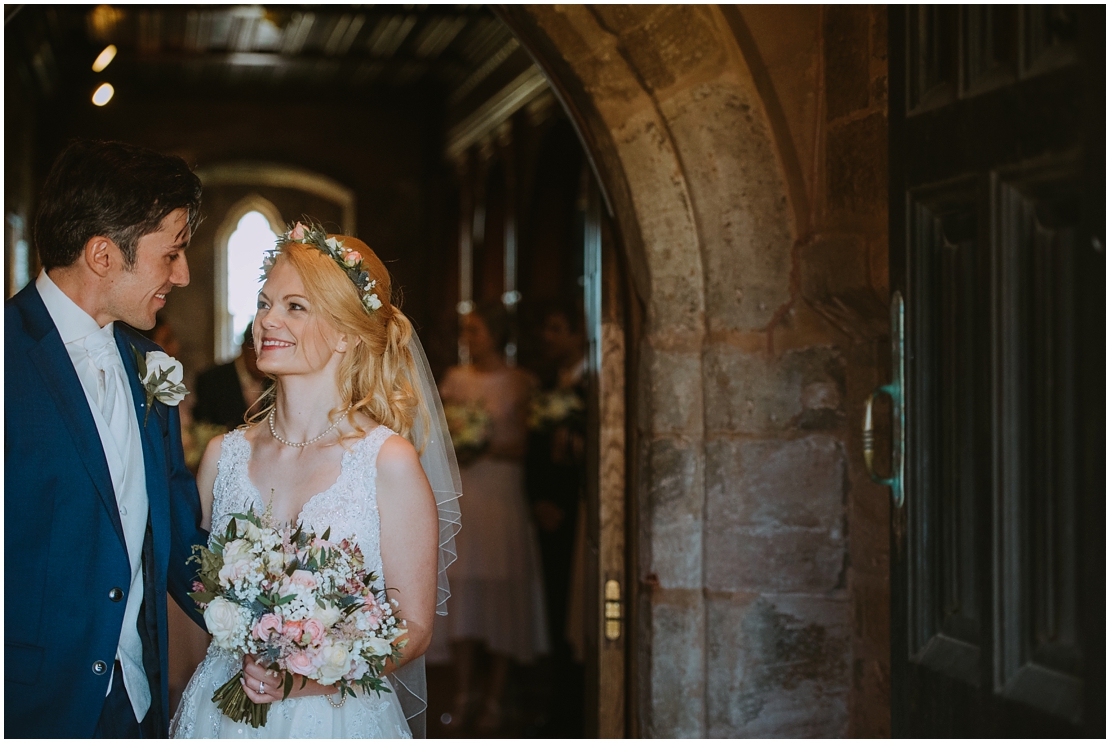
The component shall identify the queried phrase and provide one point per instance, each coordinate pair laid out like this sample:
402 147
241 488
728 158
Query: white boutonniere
161 376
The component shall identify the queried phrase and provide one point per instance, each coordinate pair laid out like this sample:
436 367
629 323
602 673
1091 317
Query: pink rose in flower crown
297 233
352 258
313 632
302 663
267 624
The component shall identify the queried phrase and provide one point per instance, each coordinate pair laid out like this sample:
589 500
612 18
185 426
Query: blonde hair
377 374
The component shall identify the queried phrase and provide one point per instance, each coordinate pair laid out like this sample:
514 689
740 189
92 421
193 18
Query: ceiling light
103 94
104 58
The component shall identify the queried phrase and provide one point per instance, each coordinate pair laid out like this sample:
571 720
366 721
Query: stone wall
743 152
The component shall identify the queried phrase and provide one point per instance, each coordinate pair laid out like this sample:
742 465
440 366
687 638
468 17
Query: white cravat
96 359
111 385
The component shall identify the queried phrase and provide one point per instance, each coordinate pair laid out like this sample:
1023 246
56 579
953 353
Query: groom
100 512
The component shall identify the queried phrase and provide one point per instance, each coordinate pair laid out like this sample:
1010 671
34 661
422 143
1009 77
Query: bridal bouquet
471 426
299 603
554 408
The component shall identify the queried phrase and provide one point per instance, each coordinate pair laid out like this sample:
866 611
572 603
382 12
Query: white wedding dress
350 508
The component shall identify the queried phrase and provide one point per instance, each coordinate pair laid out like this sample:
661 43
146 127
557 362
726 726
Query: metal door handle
869 435
897 392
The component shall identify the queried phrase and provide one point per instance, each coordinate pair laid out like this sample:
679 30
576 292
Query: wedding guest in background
497 590
100 512
163 334
555 477
225 392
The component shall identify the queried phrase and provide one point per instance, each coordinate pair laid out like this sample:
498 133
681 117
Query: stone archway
743 471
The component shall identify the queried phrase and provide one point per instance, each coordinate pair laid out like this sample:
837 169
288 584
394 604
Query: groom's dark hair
110 189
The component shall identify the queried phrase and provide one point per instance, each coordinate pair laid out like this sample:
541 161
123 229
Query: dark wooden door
997 244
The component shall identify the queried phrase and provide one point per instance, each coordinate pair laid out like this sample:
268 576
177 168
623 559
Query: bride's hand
256 676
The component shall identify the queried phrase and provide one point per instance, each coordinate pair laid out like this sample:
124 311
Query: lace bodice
349 507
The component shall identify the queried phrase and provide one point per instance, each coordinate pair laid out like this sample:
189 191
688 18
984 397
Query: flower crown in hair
350 261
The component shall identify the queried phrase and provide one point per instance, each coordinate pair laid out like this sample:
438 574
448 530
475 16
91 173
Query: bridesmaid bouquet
554 408
195 440
471 426
300 604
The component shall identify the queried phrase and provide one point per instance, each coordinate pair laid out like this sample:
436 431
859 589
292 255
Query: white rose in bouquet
275 562
234 570
328 616
379 646
236 549
237 560
337 661
223 618
250 532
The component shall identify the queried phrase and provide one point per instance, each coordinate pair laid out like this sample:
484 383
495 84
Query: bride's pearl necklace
330 428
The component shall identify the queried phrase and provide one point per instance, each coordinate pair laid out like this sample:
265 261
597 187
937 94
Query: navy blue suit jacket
64 548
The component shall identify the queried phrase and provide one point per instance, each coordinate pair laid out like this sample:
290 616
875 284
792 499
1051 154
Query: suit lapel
154 452
60 380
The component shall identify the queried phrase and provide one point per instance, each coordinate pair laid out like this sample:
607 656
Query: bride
353 439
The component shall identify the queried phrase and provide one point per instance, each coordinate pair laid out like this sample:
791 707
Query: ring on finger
261 687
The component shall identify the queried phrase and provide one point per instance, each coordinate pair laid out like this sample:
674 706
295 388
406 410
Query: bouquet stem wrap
233 702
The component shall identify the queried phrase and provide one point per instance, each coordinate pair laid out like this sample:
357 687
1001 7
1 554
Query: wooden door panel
944 327
1039 657
990 47
997 224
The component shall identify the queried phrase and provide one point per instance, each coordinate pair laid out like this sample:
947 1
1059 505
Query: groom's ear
100 253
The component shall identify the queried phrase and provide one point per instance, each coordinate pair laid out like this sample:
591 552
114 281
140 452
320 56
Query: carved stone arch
671 138
681 140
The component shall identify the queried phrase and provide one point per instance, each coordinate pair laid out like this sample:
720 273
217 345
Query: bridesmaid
496 584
